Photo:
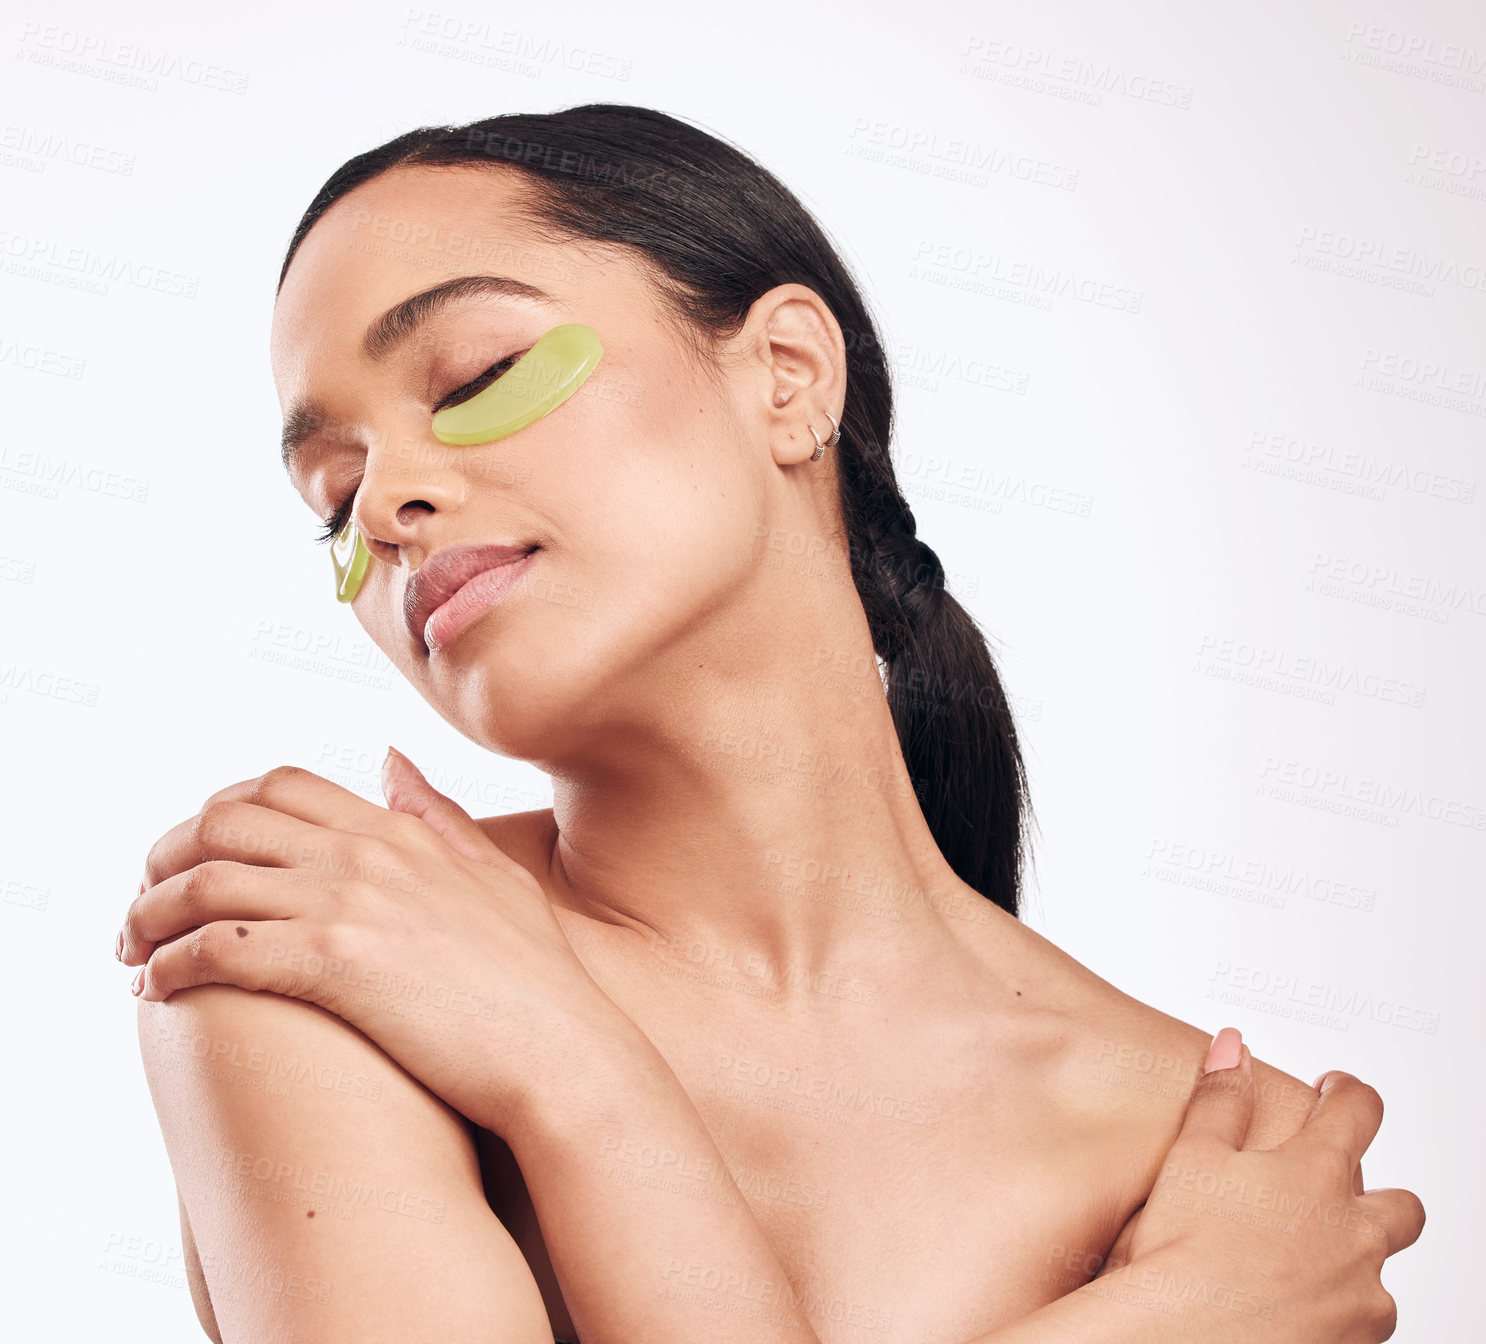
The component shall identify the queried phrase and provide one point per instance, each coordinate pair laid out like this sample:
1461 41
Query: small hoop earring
835 431
820 448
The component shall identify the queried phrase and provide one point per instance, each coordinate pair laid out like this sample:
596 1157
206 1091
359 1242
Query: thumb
1222 1102
406 790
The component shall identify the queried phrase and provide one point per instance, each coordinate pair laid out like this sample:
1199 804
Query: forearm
1154 1300
647 1231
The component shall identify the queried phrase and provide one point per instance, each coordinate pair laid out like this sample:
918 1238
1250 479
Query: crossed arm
330 1196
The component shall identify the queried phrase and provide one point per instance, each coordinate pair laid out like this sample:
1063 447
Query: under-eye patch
539 382
349 555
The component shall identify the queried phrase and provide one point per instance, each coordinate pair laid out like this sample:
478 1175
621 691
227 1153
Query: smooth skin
690 608
599 1109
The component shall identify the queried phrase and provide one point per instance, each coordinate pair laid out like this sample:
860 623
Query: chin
513 704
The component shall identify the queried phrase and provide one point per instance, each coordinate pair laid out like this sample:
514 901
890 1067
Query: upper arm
200 1296
328 1194
1281 1104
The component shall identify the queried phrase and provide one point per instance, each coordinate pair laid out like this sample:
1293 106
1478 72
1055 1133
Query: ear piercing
820 448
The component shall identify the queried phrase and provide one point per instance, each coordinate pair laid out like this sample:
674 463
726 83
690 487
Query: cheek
663 528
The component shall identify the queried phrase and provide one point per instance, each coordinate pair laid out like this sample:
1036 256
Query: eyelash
337 520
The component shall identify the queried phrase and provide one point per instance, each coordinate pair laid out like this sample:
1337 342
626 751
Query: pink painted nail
138 982
1225 1051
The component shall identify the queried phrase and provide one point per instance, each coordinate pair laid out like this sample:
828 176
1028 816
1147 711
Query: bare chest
914 1184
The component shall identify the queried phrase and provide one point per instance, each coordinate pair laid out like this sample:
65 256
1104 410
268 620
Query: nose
405 486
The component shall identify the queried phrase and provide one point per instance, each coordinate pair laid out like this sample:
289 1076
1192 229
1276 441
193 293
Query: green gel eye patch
349 555
539 382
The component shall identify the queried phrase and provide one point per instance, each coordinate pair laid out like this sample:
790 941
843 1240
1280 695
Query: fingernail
1225 1051
138 982
141 886
119 946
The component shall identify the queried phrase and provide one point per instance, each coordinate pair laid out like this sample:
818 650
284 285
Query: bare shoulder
1128 1064
1154 1059
324 1190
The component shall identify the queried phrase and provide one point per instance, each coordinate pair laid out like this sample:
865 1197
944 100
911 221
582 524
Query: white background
1279 451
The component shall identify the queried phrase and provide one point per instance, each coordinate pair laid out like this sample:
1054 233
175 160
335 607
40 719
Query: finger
218 889
1400 1212
1346 1116
267 955
310 797
1222 1102
246 832
406 790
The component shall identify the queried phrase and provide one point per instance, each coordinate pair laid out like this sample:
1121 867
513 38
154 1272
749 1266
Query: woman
742 1038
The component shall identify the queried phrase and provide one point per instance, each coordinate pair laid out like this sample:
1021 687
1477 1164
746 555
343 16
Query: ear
802 355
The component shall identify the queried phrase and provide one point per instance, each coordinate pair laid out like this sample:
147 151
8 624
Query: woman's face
642 491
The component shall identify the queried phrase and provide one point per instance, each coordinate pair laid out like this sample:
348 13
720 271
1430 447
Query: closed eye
337 520
479 384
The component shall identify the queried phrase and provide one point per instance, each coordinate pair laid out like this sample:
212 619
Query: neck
761 819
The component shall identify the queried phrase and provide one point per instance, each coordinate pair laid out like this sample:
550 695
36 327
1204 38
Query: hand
1287 1235
409 923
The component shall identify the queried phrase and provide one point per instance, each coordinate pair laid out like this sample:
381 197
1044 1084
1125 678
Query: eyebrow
395 326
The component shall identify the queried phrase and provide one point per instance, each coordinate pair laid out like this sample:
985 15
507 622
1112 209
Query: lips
444 573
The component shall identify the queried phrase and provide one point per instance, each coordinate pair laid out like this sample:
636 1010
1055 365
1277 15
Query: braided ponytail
720 230
954 725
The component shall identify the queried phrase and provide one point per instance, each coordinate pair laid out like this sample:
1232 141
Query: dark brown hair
716 230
